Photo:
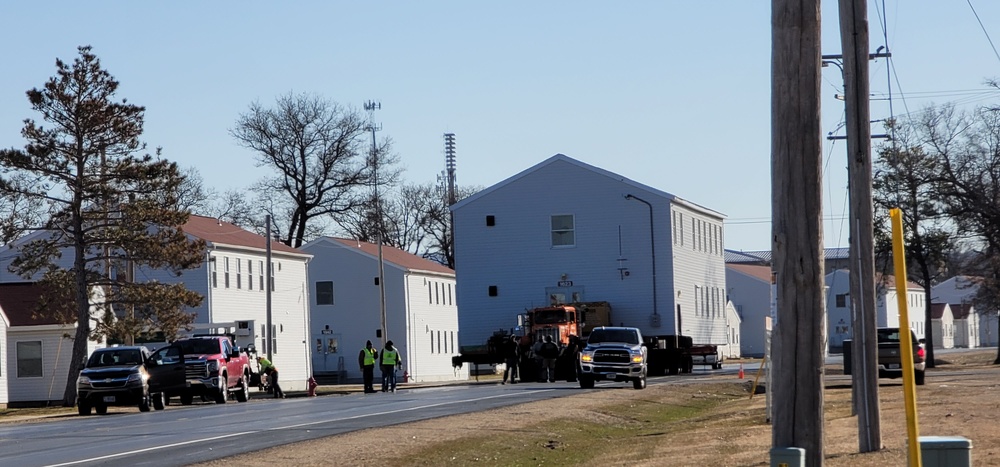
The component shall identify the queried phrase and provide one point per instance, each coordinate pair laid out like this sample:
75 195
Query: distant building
563 231
421 310
943 322
886 306
962 290
749 288
966 325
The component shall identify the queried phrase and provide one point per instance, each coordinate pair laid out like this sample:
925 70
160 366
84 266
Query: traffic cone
741 370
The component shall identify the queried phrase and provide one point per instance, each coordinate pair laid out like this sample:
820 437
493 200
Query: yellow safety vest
369 356
389 357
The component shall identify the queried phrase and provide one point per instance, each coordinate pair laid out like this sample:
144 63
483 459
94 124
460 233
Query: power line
984 30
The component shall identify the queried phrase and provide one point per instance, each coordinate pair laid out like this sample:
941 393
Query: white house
36 353
966 325
733 333
962 290
749 288
232 282
838 306
420 302
565 231
943 322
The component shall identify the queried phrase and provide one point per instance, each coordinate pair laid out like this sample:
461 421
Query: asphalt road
182 435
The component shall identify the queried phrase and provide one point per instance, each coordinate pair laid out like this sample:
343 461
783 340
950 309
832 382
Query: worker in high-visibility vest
366 360
390 359
271 371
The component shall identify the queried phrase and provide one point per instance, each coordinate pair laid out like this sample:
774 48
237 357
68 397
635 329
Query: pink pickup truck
211 367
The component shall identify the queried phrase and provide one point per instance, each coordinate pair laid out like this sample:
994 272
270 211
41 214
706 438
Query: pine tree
112 209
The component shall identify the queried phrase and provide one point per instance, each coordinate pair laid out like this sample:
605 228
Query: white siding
432 337
56 353
516 254
700 277
4 367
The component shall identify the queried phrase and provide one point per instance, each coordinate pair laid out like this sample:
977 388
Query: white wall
733 333
699 274
967 331
752 299
432 337
56 354
4 367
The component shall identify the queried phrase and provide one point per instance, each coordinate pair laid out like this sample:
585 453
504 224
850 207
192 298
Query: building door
326 351
561 295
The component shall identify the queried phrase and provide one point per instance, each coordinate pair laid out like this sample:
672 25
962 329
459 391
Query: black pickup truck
890 355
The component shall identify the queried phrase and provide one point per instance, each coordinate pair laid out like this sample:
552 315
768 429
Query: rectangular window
239 273
563 234
491 221
249 274
215 273
437 293
493 291
673 230
680 226
430 293
842 300
260 274
439 341
324 292
272 277
449 295
225 272
29 359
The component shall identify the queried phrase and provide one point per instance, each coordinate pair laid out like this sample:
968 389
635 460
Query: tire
144 403
101 409
639 383
186 399
159 401
243 394
83 408
919 377
586 382
222 396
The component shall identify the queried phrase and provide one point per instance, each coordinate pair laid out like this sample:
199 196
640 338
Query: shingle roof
937 310
18 301
764 256
961 310
403 259
760 272
218 232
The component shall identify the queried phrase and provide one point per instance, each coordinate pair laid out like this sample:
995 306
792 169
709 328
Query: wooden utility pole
864 378
799 336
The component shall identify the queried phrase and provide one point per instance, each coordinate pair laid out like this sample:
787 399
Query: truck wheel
144 403
222 396
639 383
243 392
919 377
83 407
159 401
586 382
187 399
101 409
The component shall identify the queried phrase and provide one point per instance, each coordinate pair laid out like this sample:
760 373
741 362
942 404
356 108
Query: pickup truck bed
890 355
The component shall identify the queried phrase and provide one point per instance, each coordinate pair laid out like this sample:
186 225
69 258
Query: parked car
114 376
209 366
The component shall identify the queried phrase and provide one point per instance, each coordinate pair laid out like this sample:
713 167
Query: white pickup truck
613 353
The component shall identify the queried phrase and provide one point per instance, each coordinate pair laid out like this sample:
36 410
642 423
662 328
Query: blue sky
672 94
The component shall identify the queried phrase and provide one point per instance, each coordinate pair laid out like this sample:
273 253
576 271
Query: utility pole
371 107
864 378
268 343
799 335
449 162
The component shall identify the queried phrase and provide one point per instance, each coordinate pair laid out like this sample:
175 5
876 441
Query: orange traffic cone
741 370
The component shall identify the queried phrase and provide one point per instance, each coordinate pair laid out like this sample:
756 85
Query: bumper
600 371
115 397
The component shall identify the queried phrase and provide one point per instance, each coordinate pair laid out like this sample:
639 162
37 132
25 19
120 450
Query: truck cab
613 353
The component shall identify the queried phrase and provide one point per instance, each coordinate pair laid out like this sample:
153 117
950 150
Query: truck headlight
637 358
212 366
135 377
586 357
83 381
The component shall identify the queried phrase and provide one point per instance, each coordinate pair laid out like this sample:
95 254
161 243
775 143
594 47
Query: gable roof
937 310
18 301
391 255
217 232
961 310
758 272
765 256
585 166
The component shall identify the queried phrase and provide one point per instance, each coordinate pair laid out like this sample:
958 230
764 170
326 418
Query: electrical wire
984 29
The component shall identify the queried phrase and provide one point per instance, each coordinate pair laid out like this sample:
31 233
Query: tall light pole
371 107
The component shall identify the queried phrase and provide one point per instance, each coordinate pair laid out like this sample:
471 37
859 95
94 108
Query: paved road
186 435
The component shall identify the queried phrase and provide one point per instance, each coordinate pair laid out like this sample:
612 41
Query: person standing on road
512 355
536 355
366 360
271 371
390 360
549 352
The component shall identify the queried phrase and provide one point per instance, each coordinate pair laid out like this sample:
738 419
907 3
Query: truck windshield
555 316
199 346
114 357
626 336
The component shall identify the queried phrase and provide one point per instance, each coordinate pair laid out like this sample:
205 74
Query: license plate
109 398
893 366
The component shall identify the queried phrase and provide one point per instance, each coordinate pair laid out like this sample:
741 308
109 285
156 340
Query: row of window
442 342
709 302
915 301
438 293
238 263
705 236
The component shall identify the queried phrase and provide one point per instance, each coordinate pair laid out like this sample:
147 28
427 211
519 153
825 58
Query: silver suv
613 353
